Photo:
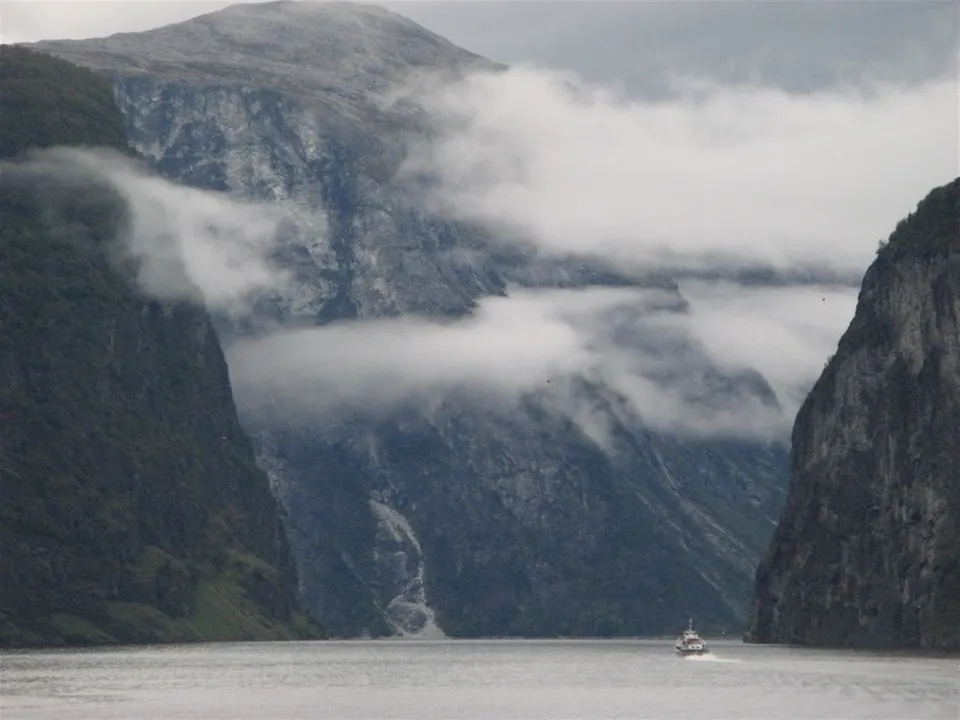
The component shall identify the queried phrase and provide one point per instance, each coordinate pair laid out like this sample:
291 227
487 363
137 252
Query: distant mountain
132 508
867 551
454 510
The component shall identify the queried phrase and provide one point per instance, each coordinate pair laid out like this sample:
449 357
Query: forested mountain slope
131 507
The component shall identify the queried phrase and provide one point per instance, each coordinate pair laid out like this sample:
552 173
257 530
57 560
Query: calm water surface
473 680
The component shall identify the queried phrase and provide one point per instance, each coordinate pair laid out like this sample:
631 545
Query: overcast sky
797 45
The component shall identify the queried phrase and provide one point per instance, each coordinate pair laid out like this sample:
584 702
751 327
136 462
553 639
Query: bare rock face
867 552
463 515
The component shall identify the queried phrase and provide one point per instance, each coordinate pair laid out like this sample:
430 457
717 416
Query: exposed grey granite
465 515
867 552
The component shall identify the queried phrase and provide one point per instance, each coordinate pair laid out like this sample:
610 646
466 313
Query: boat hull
690 642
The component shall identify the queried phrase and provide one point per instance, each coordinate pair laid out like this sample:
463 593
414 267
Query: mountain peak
309 47
310 8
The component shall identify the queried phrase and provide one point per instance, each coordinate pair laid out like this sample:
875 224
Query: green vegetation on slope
46 102
932 229
131 508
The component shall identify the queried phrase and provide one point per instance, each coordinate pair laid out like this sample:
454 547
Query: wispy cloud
508 347
784 333
716 176
689 372
733 175
186 244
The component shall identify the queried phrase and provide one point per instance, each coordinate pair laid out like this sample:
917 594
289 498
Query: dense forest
132 508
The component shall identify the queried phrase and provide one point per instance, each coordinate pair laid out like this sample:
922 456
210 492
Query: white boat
690 643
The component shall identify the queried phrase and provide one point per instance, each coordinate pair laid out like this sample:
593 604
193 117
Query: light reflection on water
473 680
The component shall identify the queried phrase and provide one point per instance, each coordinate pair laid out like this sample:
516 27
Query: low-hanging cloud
691 372
715 175
186 244
784 333
507 347
715 178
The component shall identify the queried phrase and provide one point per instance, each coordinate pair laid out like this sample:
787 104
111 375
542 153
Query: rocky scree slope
132 508
456 512
867 551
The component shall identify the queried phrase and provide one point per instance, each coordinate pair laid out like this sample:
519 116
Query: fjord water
475 680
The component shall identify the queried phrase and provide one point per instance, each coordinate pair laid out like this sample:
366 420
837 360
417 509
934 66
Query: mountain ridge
326 48
519 498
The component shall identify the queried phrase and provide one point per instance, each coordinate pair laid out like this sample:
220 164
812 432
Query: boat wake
711 657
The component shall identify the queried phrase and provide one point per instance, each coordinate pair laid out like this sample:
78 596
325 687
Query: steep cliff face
132 508
451 510
867 551
525 526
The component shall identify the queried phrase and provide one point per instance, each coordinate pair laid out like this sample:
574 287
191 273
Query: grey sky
797 45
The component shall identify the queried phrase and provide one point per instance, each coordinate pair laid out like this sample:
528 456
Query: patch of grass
304 628
17 634
76 630
47 101
224 613
144 623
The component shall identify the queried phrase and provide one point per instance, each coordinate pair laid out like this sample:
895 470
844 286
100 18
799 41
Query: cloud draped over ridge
188 244
715 177
508 347
734 175
740 176
784 333
633 343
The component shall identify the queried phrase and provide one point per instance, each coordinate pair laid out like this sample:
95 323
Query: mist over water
474 680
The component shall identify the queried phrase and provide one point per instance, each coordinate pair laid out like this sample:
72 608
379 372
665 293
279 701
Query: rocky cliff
867 551
446 509
132 508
